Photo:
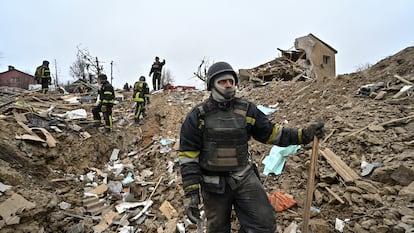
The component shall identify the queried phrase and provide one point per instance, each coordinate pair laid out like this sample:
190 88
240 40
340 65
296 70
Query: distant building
16 78
312 58
319 57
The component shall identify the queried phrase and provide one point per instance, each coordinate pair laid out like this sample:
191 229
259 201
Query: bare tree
86 67
78 68
362 67
202 70
167 77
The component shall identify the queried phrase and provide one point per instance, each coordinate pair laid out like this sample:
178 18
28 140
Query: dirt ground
49 185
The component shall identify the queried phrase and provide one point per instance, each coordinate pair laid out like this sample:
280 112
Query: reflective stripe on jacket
106 93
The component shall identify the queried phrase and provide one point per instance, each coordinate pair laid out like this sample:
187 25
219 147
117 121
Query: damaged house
16 78
312 58
319 57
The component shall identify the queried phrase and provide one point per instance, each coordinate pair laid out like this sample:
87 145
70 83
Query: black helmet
219 68
102 77
142 78
45 62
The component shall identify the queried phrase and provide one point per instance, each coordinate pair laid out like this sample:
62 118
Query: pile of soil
375 128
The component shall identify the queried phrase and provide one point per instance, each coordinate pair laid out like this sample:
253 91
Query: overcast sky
183 32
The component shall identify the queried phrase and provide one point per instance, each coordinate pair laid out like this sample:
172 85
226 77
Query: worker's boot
97 124
107 130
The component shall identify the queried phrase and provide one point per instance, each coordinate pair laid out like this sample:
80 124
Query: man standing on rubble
156 69
105 104
141 98
214 156
42 76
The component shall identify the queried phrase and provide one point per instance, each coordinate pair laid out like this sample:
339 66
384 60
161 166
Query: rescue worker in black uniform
214 156
156 69
107 99
141 98
42 76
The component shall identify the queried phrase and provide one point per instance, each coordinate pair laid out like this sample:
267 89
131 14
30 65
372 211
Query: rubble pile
71 177
281 68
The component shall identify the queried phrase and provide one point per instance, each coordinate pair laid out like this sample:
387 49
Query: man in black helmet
214 156
156 69
42 76
106 102
141 98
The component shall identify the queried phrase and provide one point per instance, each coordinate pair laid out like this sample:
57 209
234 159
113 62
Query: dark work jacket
107 94
191 138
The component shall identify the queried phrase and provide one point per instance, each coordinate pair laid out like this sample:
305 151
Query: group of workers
140 96
216 167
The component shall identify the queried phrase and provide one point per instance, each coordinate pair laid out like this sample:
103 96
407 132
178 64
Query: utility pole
56 75
112 62
97 66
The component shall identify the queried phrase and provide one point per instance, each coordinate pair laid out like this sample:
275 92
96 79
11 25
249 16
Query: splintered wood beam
340 166
403 79
335 195
381 124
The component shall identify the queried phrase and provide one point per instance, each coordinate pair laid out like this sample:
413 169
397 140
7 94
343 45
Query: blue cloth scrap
266 110
275 161
166 141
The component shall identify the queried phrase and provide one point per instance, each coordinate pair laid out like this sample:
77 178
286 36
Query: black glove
191 203
315 129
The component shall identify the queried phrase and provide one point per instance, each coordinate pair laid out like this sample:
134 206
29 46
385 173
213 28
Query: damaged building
16 78
312 58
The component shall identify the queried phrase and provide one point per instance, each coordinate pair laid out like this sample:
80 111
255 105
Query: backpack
38 74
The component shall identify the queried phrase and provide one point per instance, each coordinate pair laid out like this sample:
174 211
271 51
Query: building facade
319 59
16 78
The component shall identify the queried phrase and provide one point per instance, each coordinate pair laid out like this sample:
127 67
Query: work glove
315 129
103 108
191 202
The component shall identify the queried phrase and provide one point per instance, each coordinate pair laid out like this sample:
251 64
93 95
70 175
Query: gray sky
244 33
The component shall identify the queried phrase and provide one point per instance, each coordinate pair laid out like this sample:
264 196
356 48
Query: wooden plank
340 166
396 120
30 137
335 195
50 140
403 79
381 124
311 185
25 127
402 91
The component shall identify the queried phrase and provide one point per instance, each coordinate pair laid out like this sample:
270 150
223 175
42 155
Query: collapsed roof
311 58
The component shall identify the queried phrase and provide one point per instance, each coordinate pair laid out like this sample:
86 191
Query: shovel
311 185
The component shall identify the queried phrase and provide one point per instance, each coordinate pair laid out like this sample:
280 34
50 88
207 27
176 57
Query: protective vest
42 73
45 73
138 86
139 91
225 139
107 94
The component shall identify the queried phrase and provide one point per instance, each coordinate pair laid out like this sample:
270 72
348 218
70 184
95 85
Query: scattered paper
265 110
